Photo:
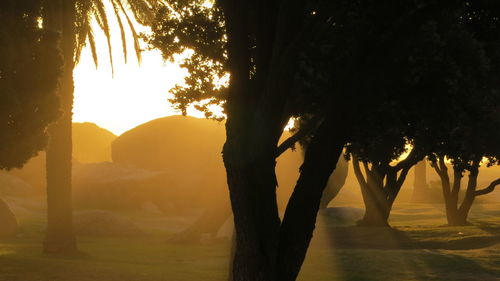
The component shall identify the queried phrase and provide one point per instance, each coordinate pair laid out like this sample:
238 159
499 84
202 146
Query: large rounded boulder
189 150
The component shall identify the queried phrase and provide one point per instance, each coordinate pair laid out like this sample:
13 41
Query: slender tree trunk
60 238
457 215
420 188
299 221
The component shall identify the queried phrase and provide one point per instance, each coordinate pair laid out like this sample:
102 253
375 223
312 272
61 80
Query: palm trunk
420 188
60 238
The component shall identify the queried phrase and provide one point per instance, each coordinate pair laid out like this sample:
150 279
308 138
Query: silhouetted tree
358 70
30 66
73 20
470 136
261 46
433 64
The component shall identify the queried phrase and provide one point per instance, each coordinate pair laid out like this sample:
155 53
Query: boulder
114 186
104 223
13 186
348 215
189 150
8 222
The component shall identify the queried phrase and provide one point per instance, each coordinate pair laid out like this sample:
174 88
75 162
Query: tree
338 63
428 83
470 135
420 187
30 66
261 47
73 20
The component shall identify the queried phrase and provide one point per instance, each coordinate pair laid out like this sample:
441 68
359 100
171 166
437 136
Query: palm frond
93 48
89 11
135 36
102 20
122 29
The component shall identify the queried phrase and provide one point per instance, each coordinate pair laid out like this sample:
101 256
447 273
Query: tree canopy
30 66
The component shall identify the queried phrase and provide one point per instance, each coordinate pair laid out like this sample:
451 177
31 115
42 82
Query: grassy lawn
419 247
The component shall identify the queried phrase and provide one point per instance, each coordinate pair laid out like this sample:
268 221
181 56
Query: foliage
30 65
89 11
472 130
198 29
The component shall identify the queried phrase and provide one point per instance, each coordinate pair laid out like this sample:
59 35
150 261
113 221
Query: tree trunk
299 221
377 206
420 188
455 217
376 213
249 158
60 238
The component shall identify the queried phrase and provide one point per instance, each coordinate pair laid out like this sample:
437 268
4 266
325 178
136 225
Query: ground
419 247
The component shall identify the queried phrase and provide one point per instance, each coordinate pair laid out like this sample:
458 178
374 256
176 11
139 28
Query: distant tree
420 187
30 66
73 19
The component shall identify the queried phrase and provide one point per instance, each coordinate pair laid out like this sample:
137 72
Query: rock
8 222
114 186
343 214
104 223
189 149
14 186
226 230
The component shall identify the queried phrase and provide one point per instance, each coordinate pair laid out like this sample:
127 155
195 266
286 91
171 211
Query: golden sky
134 95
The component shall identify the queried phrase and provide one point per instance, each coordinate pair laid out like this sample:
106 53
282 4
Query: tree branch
413 158
357 171
490 188
304 131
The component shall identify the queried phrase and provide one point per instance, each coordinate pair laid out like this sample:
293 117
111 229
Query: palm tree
73 19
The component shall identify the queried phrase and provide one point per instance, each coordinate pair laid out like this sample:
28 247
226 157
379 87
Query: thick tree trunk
455 217
377 206
60 238
420 188
249 158
299 220
376 213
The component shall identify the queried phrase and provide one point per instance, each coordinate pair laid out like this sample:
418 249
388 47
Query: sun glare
134 94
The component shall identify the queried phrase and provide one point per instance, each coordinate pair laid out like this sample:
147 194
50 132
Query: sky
135 93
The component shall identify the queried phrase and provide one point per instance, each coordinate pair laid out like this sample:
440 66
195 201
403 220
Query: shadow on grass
355 237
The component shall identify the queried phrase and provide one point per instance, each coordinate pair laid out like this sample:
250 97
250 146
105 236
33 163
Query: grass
419 247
